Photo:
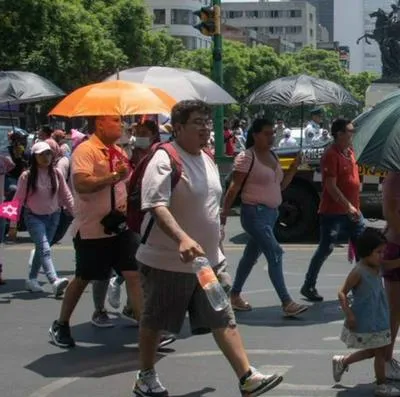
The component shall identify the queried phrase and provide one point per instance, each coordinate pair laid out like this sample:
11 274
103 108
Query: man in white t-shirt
287 140
187 225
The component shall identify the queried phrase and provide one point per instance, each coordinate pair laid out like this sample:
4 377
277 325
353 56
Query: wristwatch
115 176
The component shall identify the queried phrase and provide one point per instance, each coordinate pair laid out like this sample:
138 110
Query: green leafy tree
58 39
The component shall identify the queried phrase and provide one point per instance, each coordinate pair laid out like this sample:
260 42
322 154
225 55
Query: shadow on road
199 393
356 391
272 316
87 362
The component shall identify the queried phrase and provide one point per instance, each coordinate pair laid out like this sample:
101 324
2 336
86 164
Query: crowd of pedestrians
102 185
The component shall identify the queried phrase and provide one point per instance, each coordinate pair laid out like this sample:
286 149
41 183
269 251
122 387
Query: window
190 42
294 13
253 14
276 29
311 33
311 17
234 14
294 29
182 17
159 17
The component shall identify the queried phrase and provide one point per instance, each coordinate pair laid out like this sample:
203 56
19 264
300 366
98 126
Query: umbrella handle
10 114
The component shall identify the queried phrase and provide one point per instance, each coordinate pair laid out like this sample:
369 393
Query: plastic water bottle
209 282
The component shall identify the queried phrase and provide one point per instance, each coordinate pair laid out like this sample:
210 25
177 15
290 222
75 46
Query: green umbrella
377 139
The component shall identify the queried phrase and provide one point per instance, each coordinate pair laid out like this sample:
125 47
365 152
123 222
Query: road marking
336 338
56 385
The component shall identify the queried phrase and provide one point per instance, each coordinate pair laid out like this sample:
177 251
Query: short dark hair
181 112
256 127
47 129
369 241
339 125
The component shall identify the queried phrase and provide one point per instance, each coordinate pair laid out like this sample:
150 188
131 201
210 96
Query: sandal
239 304
292 309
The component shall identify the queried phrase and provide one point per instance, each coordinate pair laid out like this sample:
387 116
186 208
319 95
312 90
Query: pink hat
77 137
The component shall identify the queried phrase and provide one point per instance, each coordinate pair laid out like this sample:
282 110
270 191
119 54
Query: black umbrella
301 90
23 87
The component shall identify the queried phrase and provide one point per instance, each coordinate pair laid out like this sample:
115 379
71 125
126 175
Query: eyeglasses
202 122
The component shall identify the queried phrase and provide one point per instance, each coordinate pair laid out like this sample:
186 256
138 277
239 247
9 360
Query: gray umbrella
179 83
301 90
24 87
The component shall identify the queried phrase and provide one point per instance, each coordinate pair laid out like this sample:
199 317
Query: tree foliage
76 42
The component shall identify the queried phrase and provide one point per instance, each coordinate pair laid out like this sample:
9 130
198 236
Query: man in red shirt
340 202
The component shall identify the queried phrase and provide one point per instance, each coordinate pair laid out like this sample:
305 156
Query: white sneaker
258 383
148 385
114 293
33 285
338 368
392 370
59 286
386 390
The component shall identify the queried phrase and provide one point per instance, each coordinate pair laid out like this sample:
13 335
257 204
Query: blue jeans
259 222
333 228
42 228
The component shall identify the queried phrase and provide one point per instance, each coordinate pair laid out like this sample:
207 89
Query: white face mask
142 142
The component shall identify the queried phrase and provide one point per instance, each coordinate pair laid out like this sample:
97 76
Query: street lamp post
219 79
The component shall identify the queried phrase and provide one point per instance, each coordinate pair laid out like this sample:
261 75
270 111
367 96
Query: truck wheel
298 214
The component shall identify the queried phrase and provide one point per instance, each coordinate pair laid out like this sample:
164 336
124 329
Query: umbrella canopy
179 83
301 90
377 139
114 98
23 87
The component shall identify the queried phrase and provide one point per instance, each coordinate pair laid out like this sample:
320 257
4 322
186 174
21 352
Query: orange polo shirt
345 170
91 158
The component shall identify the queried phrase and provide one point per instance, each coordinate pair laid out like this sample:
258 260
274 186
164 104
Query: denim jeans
42 228
259 222
333 228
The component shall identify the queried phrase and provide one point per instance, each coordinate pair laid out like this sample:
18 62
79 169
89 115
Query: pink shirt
263 185
391 188
42 201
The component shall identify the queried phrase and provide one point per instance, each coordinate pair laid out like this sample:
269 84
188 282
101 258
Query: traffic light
210 20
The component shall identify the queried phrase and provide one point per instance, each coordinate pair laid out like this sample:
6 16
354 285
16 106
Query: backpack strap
176 166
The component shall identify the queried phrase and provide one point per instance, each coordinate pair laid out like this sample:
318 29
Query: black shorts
95 258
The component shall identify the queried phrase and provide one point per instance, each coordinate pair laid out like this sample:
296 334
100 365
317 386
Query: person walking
367 324
186 226
42 190
339 208
101 241
260 178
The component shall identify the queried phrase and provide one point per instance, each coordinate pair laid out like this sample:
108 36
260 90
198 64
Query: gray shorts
169 295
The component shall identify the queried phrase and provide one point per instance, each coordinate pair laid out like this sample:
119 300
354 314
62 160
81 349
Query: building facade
324 9
176 17
350 24
295 22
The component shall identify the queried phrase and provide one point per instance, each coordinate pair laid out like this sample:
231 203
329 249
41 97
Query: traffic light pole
218 78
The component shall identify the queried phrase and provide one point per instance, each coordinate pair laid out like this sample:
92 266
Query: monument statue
387 35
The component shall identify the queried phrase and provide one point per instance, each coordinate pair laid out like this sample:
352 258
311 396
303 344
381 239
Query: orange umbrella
114 98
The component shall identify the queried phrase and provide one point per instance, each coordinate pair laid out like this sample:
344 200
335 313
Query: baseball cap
40 147
317 110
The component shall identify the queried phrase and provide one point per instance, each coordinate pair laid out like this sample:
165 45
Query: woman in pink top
42 190
258 174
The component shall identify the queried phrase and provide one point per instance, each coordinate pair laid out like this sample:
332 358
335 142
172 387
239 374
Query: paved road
104 361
